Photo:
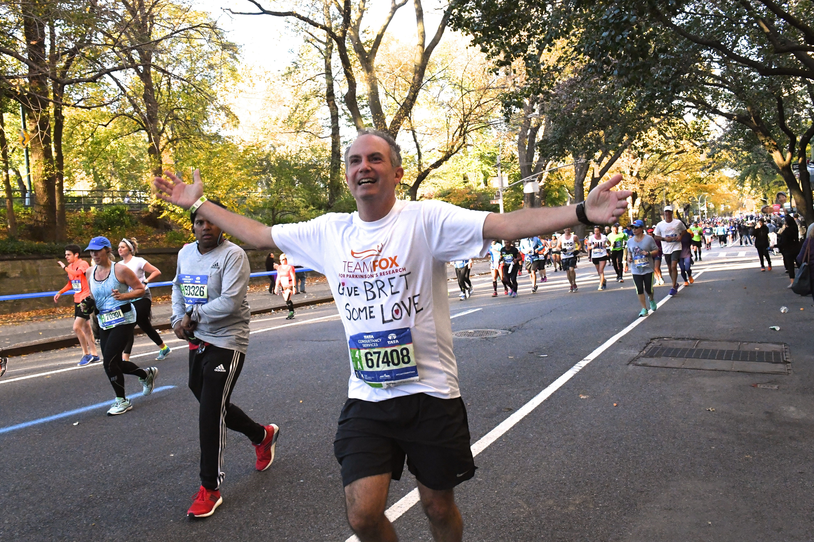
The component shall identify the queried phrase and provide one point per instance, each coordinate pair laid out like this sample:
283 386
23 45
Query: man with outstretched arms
210 310
386 266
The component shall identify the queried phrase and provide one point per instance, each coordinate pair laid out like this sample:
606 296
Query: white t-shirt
669 229
136 265
389 276
598 246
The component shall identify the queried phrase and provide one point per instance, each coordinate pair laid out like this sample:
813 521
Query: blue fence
153 285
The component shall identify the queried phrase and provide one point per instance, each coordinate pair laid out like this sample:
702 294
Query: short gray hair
395 150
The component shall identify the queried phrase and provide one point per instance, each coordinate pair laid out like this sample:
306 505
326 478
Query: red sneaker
265 450
205 503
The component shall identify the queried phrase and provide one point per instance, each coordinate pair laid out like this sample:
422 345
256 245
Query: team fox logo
371 252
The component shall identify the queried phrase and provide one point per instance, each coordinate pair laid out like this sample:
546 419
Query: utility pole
500 178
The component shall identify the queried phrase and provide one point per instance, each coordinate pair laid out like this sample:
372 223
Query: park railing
35 295
82 200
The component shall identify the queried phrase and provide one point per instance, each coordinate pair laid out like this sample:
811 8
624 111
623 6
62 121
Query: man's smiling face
370 174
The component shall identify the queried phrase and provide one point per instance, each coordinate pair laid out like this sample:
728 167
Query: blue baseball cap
98 243
638 223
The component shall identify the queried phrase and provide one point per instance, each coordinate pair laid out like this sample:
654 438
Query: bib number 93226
384 358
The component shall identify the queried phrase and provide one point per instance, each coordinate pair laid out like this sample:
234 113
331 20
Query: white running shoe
121 406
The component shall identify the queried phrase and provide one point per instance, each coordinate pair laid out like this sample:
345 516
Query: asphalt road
613 451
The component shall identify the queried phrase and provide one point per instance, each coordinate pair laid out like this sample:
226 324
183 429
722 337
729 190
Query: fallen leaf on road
583 396
710 410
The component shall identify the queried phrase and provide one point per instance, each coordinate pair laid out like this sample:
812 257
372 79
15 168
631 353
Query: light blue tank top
103 295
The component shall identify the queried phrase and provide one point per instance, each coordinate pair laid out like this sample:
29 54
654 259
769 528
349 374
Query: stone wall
26 274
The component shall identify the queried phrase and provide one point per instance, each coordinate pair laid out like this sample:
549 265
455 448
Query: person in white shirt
598 245
669 232
386 266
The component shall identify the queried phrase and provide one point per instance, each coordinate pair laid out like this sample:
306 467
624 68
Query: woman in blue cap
113 287
640 251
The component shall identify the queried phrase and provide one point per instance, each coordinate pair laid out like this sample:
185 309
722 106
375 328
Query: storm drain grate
738 356
711 353
479 333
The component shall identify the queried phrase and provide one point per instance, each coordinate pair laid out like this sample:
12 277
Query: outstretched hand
603 205
176 191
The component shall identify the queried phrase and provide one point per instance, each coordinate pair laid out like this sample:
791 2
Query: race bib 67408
384 358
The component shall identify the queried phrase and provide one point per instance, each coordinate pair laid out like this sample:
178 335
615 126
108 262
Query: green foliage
25 248
468 197
112 218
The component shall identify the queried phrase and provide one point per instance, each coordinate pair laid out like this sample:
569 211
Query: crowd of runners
638 250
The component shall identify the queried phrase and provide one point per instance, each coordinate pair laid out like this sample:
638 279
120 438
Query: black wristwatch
189 311
581 215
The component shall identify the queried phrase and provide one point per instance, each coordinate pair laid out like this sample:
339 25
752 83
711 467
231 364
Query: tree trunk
11 220
335 171
581 166
59 162
38 122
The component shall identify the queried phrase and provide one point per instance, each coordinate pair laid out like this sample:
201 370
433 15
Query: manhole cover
738 356
479 333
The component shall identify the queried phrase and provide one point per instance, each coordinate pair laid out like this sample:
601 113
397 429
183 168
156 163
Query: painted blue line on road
67 414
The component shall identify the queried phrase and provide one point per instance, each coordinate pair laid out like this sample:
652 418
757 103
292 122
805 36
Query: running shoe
642 313
121 406
3 364
265 450
205 503
570 289
95 359
673 291
692 280
505 292
600 287
494 294
148 383
290 315
604 284
163 353
576 289
545 279
653 305
770 268
85 360
686 283
534 290
621 280
462 296
762 269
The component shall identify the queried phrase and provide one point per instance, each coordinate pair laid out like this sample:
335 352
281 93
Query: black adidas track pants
213 372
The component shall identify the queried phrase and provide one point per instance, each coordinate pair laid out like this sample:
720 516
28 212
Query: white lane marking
741 254
412 498
464 313
75 368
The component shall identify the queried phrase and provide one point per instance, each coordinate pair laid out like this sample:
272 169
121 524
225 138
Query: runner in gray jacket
210 310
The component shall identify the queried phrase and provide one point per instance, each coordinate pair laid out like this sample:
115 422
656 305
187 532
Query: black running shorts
569 263
433 434
78 311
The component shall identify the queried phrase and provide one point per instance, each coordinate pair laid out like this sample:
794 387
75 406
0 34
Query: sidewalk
51 334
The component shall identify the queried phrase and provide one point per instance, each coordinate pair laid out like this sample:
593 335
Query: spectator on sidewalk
762 244
78 283
807 254
788 242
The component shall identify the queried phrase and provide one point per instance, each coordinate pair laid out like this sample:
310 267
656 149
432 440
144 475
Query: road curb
66 341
